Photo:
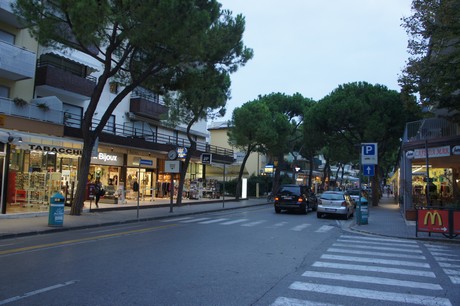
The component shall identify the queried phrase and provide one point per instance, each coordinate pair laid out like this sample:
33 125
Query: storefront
108 167
35 169
141 170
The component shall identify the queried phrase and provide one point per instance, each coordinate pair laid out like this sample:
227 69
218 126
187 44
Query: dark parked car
295 197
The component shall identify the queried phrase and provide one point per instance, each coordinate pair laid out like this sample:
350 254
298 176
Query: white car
335 203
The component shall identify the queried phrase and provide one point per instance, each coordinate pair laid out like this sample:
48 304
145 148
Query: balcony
432 128
7 15
16 63
147 104
58 80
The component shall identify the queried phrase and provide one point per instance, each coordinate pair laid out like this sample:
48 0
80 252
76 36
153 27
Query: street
249 256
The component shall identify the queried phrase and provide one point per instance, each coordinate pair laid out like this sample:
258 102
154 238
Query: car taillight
344 203
299 199
277 198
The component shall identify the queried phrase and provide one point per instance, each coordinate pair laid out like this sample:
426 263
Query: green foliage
434 45
161 45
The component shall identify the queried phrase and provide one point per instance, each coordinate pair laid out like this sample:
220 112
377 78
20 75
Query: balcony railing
30 111
64 78
429 129
137 130
16 63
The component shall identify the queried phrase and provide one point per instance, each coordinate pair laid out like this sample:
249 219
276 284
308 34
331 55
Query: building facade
43 96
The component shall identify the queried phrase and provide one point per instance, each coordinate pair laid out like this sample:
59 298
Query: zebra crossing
351 268
249 223
448 259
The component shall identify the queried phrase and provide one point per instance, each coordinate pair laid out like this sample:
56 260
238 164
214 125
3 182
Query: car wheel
318 215
277 210
305 210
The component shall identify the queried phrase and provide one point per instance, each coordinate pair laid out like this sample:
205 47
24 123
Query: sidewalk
384 220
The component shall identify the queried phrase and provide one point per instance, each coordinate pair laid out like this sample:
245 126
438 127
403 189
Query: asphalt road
244 257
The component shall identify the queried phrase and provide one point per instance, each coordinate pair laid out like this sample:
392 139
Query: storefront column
4 187
407 183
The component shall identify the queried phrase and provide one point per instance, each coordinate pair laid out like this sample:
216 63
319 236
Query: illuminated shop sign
55 149
108 159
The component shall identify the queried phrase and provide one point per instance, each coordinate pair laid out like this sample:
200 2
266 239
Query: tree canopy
433 68
152 43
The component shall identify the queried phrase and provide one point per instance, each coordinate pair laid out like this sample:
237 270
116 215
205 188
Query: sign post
368 160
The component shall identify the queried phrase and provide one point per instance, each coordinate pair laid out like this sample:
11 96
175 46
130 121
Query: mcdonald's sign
433 220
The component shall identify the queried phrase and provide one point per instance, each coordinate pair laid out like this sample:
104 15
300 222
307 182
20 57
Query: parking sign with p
369 154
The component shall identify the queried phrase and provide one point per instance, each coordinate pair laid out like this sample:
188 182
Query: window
72 115
4 92
7 37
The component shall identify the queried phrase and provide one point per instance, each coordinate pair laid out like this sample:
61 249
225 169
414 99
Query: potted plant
43 106
19 102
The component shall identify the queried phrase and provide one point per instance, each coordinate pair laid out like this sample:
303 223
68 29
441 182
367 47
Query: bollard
56 212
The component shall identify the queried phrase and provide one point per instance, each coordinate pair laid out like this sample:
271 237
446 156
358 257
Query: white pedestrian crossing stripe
357 261
448 259
324 228
372 294
300 227
254 223
213 221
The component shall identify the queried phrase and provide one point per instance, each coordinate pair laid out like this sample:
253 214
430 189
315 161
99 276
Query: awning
75 56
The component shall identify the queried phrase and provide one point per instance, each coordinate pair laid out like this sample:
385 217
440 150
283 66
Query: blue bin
363 211
56 213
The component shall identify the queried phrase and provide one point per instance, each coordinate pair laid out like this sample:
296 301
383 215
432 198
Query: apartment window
7 37
72 115
110 125
4 92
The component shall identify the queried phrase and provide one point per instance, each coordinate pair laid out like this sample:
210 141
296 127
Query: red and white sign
432 152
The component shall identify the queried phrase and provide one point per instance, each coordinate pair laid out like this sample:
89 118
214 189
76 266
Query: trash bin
56 213
363 211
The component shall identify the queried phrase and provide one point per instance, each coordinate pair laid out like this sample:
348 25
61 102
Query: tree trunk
82 177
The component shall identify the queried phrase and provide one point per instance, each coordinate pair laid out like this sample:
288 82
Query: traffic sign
206 158
368 170
369 154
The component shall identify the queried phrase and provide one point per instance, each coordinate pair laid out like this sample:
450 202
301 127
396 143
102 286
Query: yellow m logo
432 217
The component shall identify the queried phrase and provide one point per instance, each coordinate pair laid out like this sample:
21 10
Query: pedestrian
388 191
98 191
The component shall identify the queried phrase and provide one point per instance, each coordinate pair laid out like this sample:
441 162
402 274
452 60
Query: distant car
295 197
336 203
354 194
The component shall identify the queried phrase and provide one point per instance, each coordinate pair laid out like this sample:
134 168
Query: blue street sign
147 162
369 154
368 170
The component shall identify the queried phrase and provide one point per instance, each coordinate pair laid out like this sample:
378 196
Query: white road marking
300 227
194 220
213 221
443 254
379 239
373 269
35 292
324 228
371 294
372 280
446 259
234 221
176 219
377 261
253 223
279 224
448 265
284 301
455 279
359 252
368 247
388 244
452 272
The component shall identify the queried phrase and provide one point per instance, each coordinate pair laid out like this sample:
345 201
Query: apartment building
43 95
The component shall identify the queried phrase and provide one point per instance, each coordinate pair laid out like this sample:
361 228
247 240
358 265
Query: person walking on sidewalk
98 191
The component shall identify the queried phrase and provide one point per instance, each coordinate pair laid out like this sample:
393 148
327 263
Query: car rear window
290 190
332 196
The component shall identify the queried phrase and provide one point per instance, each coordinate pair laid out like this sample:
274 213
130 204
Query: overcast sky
312 46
